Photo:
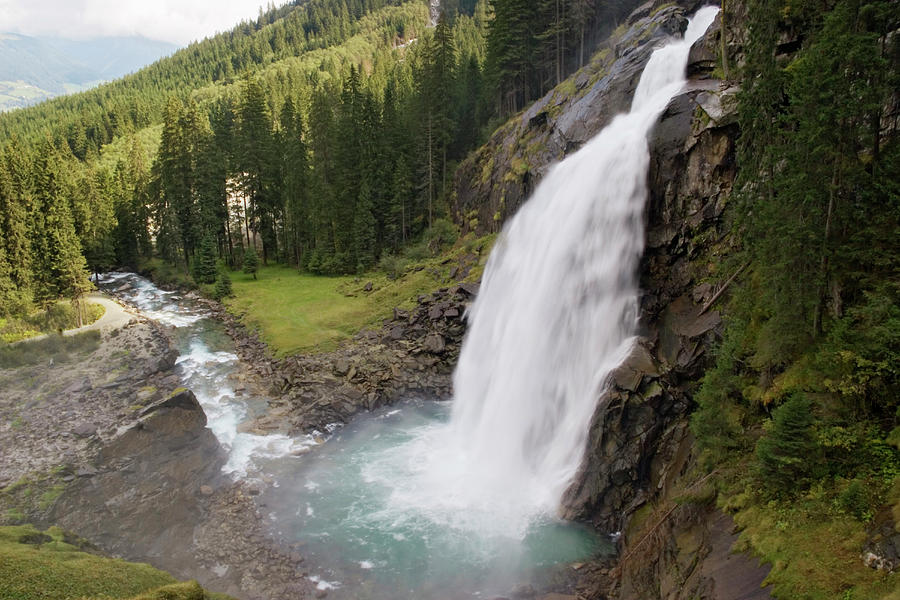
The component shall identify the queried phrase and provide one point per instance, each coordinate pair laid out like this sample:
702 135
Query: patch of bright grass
48 568
298 312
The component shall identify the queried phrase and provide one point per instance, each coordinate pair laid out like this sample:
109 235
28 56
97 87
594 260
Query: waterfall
557 311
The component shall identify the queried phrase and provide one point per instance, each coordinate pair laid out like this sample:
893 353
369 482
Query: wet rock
882 548
631 372
704 52
470 289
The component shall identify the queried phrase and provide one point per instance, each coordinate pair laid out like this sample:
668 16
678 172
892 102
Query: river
343 495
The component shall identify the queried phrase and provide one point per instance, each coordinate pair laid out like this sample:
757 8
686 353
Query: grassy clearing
50 565
298 312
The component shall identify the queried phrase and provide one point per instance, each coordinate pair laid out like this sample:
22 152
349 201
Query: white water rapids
557 311
206 371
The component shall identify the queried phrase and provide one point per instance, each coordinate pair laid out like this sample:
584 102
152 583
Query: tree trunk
823 268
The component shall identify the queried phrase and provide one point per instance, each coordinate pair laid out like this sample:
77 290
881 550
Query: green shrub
204 268
442 234
854 500
223 287
394 266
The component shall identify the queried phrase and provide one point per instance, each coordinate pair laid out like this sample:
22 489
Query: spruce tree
295 183
364 229
168 186
9 299
256 161
786 454
60 268
16 209
204 267
223 286
251 261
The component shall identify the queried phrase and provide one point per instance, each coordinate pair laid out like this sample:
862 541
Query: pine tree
60 268
204 267
168 186
295 183
255 161
786 454
9 299
364 229
16 208
437 85
251 261
223 287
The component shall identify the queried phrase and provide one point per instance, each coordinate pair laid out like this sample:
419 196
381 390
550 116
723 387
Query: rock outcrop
58 409
412 354
145 481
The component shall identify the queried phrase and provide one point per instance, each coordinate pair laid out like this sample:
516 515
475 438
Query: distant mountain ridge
33 69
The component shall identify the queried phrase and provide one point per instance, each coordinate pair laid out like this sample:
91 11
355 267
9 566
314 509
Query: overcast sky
176 21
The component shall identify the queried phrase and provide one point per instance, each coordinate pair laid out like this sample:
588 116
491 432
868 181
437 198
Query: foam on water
206 371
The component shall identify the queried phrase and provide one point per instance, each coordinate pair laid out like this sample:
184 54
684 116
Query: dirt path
115 317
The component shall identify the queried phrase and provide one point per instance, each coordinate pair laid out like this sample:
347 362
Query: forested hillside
322 135
799 417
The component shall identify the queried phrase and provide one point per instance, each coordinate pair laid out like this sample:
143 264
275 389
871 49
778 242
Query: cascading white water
205 372
556 313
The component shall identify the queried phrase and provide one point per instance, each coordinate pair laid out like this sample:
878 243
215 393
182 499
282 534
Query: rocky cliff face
640 447
640 419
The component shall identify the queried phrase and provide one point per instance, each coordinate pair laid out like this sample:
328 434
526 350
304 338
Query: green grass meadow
300 312
38 565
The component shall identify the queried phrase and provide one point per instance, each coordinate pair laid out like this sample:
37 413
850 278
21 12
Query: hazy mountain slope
114 57
34 69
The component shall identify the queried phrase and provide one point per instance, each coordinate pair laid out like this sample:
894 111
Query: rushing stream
428 500
337 498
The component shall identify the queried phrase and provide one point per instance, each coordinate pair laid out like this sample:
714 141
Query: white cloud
177 21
